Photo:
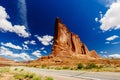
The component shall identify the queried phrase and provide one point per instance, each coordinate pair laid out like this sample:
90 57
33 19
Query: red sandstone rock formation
68 44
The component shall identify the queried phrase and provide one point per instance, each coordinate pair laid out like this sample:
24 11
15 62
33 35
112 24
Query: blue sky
27 26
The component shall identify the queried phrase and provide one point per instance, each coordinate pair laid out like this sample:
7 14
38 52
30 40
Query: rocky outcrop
3 59
67 44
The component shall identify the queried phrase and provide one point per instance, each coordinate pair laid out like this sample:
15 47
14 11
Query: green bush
48 78
19 76
91 66
80 66
66 67
57 68
15 69
22 70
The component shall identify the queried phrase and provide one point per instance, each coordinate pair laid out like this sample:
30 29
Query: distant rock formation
68 44
3 59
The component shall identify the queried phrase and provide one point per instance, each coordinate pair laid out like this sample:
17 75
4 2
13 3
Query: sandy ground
6 76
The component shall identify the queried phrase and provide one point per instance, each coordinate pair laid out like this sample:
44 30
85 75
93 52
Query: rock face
68 44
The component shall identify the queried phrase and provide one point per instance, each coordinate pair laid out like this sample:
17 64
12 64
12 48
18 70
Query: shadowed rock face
67 44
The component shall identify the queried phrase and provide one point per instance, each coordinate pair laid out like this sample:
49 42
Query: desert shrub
72 68
15 69
19 76
26 76
91 66
29 75
21 69
66 67
36 78
80 66
43 66
57 68
48 78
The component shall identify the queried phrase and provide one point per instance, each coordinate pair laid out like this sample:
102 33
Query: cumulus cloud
45 40
112 38
6 26
30 42
111 19
114 56
6 52
9 44
37 53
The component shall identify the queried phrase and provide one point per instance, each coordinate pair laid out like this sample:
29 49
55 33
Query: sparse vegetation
20 74
66 67
43 66
91 66
22 70
26 76
29 76
16 69
48 78
80 66
4 70
57 68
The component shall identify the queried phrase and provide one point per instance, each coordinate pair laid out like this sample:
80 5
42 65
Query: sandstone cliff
67 44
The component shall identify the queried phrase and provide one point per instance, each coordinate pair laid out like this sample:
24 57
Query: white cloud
111 19
109 2
103 52
112 38
25 47
45 40
114 56
37 53
6 52
107 42
25 57
101 14
115 43
30 42
42 48
11 45
6 26
96 19
44 51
